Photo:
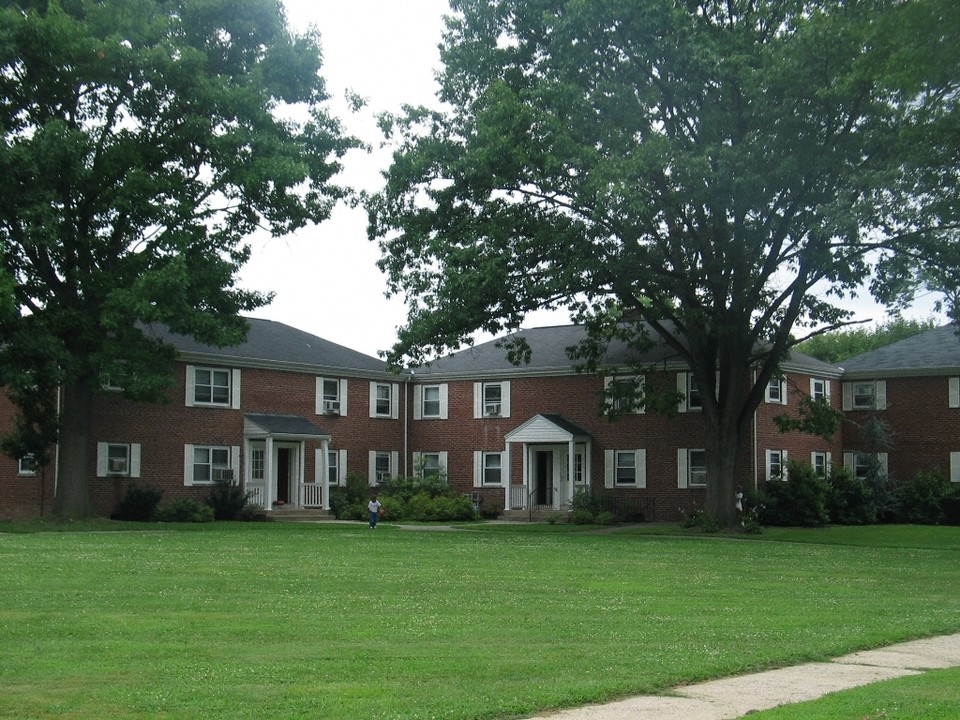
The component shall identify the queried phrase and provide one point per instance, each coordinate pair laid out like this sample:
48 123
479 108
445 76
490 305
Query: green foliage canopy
141 142
713 174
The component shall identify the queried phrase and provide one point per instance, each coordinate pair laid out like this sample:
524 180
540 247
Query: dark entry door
544 475
283 474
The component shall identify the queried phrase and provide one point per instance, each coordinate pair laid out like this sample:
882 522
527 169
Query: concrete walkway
737 696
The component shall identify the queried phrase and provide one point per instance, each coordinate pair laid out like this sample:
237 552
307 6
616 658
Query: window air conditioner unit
331 407
223 474
493 409
117 465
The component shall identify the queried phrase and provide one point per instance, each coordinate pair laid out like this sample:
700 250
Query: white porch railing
311 495
255 494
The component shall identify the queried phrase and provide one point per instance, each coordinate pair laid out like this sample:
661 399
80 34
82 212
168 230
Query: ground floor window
207 460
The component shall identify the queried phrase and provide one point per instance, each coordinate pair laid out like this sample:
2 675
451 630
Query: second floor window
211 387
431 401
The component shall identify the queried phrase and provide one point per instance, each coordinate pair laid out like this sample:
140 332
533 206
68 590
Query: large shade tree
141 143
709 174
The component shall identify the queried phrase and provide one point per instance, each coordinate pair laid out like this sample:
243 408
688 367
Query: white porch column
323 469
571 469
507 485
526 477
268 472
301 471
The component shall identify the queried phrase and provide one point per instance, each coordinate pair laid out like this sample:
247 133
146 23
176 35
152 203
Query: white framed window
429 464
625 468
207 464
333 467
861 464
382 465
819 389
688 387
430 402
776 464
213 387
257 463
955 467
579 468
621 393
118 459
491 399
488 468
777 391
821 462
331 396
691 468
865 395
383 400
27 465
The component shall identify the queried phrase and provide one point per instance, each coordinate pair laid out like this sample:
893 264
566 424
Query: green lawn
336 621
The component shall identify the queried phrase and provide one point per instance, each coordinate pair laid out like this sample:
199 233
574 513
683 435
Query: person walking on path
374 507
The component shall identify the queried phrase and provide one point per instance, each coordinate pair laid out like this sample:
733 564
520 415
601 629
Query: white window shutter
235 460
191 378
849 461
477 464
954 395
883 460
135 460
417 402
682 387
766 463
372 467
444 396
235 390
955 467
881 395
395 401
341 466
373 399
813 386
847 396
478 400
101 459
417 470
785 471
783 391
641 408
609 468
320 471
829 462
827 389
682 479
607 382
188 464
318 397
394 463
443 461
344 388
505 399
641 455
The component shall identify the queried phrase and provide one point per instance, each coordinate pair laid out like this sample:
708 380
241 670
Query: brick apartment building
289 414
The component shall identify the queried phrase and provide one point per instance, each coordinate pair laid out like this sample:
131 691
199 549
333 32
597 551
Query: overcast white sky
325 277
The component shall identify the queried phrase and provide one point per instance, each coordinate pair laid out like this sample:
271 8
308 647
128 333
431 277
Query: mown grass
931 696
336 621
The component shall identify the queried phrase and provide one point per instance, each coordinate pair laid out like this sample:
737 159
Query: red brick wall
21 496
925 429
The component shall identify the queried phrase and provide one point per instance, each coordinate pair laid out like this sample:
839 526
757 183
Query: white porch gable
547 429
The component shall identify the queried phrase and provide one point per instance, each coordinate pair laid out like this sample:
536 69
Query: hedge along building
290 414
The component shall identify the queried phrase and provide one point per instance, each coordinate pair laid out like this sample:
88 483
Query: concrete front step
538 515
288 514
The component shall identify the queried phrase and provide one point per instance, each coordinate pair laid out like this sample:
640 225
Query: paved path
736 696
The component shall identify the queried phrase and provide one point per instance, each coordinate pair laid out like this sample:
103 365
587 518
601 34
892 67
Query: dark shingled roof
932 352
549 354
274 342
285 424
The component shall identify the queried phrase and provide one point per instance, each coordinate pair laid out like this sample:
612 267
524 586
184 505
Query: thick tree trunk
72 492
722 478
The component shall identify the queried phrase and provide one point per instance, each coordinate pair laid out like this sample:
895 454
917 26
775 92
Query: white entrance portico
556 463
275 449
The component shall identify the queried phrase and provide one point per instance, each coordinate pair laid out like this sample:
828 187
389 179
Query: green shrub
139 504
185 510
798 501
701 519
227 500
582 517
850 500
605 517
921 500
349 501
